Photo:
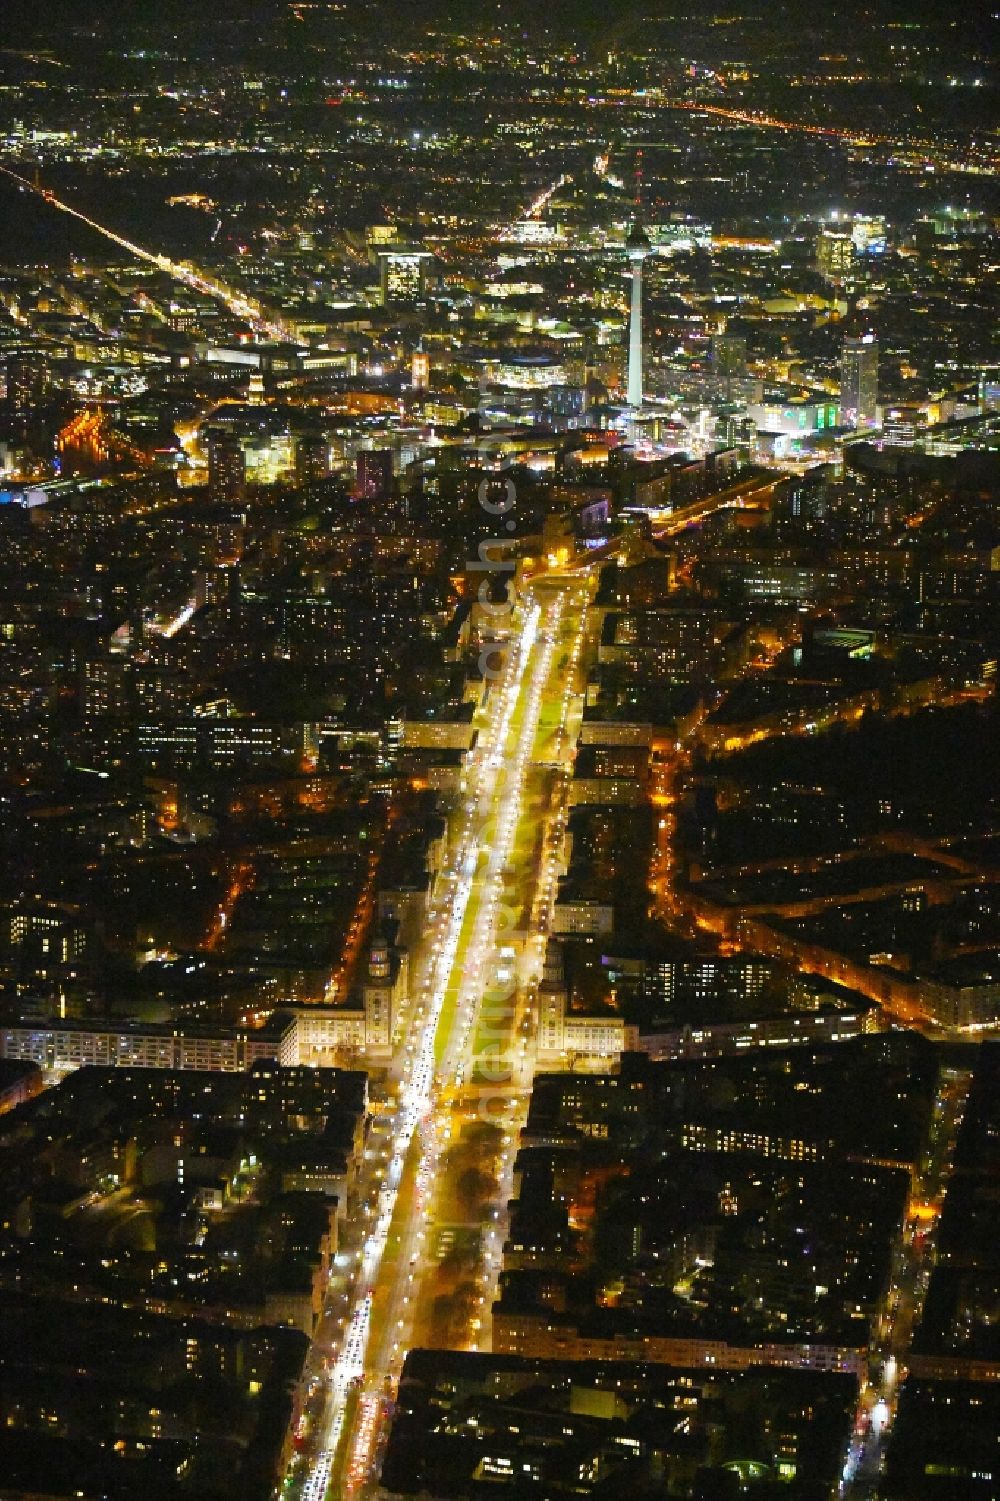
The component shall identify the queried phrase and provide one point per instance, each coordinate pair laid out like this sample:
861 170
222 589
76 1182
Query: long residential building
75 1044
545 1336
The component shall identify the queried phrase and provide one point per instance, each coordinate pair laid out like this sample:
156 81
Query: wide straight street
463 1071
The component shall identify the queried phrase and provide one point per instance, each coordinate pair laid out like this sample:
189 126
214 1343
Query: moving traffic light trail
464 939
182 271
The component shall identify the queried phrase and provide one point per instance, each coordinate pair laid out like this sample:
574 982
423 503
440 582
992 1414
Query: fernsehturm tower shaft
637 248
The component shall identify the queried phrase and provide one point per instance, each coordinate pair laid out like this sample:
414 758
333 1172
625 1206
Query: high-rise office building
729 355
312 457
728 363
402 273
26 373
834 255
859 381
227 467
637 248
373 478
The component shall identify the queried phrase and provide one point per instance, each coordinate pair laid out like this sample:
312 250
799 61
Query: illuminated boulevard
465 1055
465 1049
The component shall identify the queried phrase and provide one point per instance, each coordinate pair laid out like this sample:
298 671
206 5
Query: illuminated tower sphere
637 247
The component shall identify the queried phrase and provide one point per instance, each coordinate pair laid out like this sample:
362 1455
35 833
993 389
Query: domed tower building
383 993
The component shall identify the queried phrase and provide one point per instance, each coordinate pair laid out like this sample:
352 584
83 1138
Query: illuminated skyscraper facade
373 479
227 467
402 273
835 256
859 381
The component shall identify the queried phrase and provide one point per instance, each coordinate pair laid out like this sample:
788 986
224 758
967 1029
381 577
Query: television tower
637 247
